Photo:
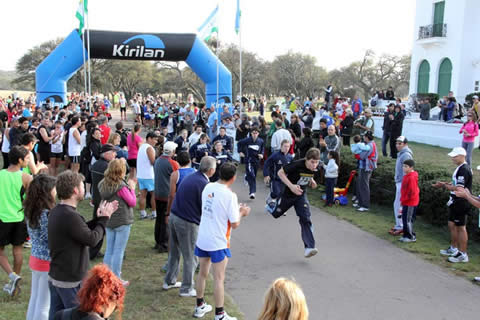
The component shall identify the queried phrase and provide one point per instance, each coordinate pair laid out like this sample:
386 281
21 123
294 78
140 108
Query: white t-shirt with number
219 209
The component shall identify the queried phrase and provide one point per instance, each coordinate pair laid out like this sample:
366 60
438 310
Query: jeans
397 206
302 209
161 230
117 239
183 235
385 139
330 186
408 217
39 303
251 176
468 146
363 188
62 298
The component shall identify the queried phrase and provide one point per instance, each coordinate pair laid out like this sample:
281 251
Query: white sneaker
153 216
449 252
12 287
362 209
224 316
202 310
354 199
88 196
167 286
355 205
143 215
476 279
310 252
191 293
252 196
125 283
459 257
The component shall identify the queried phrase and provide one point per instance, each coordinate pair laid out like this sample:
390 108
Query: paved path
354 276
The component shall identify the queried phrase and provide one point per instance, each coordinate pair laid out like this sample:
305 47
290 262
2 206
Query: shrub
469 99
433 201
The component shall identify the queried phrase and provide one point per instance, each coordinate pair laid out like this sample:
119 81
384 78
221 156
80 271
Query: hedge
432 207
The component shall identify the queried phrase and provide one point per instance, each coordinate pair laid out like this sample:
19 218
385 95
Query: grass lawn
145 298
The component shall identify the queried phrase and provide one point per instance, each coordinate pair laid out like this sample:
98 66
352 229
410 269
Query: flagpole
240 42
218 63
88 62
84 66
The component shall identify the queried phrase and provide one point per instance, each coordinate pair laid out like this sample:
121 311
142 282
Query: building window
444 77
423 77
477 86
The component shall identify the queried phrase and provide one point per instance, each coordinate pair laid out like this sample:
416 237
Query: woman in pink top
133 143
469 131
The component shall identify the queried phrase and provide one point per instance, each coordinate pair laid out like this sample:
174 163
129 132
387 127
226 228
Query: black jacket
397 125
387 123
347 126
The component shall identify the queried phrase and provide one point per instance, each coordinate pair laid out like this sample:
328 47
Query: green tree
27 64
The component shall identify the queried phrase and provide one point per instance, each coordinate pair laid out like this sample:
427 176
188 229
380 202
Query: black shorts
14 233
44 156
123 109
457 213
132 163
56 155
75 159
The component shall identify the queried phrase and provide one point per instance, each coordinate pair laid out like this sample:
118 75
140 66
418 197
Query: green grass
145 298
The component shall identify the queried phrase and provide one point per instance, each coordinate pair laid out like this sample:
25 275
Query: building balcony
433 34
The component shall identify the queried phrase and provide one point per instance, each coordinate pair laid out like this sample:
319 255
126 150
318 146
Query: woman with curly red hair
101 294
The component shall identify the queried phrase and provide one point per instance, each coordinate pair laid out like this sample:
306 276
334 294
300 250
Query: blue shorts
216 256
146 184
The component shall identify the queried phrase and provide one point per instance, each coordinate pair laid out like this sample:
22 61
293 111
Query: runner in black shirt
297 176
458 207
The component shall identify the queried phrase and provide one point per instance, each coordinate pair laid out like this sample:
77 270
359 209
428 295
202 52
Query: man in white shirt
146 175
279 135
195 135
220 213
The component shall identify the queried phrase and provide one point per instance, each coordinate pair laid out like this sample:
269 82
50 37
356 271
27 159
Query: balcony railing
432 31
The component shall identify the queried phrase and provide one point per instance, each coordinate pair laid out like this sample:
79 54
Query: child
331 175
358 147
409 200
297 176
251 148
271 167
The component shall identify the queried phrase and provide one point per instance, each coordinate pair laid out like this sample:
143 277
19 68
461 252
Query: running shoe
167 286
362 209
224 316
449 252
252 196
191 293
12 287
310 252
200 311
459 257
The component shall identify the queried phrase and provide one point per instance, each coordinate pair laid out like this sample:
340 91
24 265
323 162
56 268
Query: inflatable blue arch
62 63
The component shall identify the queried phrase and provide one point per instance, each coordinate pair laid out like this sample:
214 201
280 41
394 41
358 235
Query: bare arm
151 155
244 211
173 190
76 135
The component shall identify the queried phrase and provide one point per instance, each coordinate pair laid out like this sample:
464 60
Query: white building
446 49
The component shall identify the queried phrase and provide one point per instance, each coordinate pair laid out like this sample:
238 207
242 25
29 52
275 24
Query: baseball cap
106 148
402 139
169 147
458 151
475 97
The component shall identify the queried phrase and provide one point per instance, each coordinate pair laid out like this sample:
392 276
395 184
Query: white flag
209 27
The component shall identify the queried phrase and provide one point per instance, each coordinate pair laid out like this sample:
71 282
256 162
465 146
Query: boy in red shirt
409 199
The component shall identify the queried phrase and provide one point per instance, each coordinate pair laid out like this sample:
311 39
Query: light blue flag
237 18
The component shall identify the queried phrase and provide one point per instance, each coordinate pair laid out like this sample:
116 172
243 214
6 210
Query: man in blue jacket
251 148
271 167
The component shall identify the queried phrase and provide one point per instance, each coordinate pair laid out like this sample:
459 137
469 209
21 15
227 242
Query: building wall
461 45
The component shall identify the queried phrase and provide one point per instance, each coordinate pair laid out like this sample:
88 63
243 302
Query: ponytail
135 129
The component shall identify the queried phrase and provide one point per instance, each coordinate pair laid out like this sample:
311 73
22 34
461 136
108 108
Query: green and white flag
209 27
81 14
